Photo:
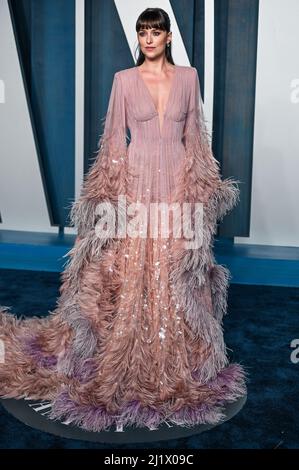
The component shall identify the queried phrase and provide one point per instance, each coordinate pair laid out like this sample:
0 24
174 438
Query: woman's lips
149 48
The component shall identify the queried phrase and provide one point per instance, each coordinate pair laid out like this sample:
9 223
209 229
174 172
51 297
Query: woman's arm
204 176
106 178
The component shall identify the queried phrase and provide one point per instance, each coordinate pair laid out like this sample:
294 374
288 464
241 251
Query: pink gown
136 337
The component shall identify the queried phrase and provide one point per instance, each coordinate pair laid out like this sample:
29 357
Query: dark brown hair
154 18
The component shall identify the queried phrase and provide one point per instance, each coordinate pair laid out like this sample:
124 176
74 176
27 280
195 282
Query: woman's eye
155 33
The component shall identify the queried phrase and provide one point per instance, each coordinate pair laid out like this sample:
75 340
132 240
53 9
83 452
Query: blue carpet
248 264
261 324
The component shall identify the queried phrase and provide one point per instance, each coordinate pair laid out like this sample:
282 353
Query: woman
136 337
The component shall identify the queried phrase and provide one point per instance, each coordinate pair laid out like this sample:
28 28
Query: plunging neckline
152 100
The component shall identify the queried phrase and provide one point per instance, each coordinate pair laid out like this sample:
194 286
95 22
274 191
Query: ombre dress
136 337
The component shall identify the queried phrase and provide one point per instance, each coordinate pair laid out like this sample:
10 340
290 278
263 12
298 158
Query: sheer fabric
136 337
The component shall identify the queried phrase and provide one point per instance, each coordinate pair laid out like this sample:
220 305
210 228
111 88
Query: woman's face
153 42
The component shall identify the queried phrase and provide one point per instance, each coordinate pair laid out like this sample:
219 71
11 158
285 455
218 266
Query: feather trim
226 387
200 285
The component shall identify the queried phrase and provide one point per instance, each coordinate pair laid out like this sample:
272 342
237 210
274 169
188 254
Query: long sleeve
106 178
200 183
204 178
